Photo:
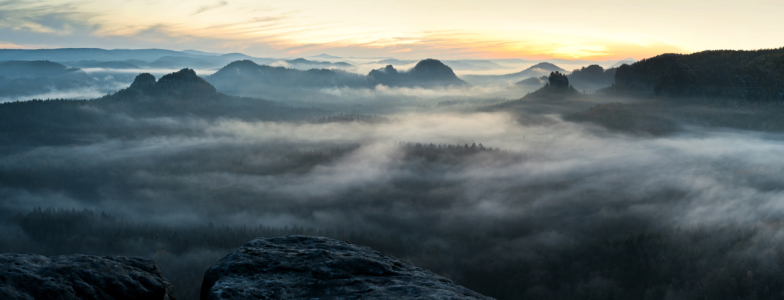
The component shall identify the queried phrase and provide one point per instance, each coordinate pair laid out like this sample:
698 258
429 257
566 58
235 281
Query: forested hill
245 74
729 74
427 73
33 69
128 112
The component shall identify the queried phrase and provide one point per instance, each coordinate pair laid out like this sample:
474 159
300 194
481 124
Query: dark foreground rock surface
300 267
31 276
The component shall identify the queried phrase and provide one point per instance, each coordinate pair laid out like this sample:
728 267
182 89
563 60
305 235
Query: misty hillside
473 65
78 54
178 95
639 116
24 79
536 82
32 69
592 78
537 70
248 78
120 65
557 89
183 93
427 73
745 75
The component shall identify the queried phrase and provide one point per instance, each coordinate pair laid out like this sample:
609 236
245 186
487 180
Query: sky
409 29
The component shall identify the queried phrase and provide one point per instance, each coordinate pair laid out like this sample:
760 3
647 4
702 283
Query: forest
725 74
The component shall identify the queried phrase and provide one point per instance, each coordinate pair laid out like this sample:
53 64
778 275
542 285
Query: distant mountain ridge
22 79
426 73
77 54
245 77
32 69
246 72
537 70
301 63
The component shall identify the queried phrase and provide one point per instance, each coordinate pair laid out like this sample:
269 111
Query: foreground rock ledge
300 267
31 276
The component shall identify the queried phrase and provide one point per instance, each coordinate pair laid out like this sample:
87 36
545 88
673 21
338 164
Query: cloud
210 7
555 191
382 91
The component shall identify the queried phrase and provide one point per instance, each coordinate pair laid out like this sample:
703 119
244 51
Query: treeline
745 75
443 153
659 118
347 118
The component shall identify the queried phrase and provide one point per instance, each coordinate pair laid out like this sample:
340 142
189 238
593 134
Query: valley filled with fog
507 181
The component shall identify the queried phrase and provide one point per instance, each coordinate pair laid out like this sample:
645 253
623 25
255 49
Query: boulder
31 276
301 267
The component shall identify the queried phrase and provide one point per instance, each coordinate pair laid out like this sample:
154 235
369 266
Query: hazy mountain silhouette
537 70
32 69
427 73
627 61
473 65
392 61
324 55
179 94
301 63
104 64
21 79
462 64
533 82
592 78
248 78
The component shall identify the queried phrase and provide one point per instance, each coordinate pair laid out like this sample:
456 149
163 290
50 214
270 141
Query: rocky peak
389 69
433 69
301 267
143 81
182 84
183 79
31 276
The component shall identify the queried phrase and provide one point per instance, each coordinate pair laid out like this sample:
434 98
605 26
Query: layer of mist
551 185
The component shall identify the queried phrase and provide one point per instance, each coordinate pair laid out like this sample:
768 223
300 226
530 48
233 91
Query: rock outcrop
31 276
182 85
300 267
